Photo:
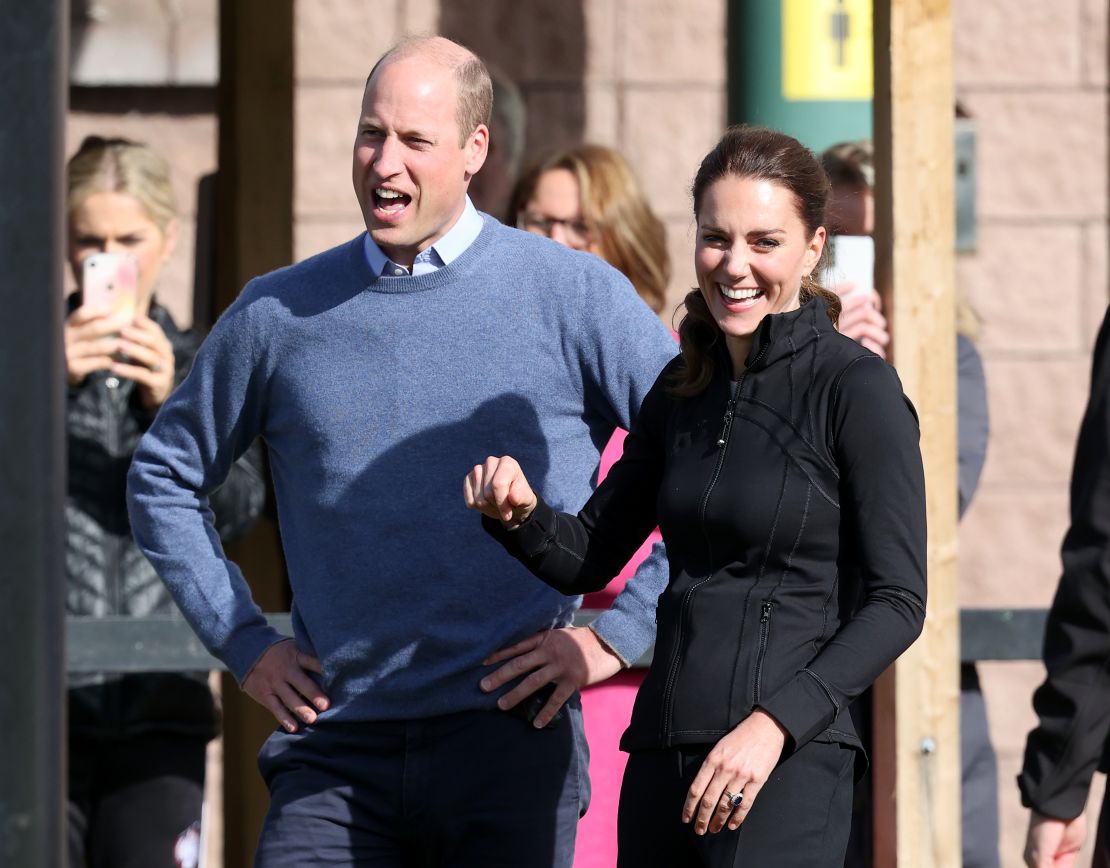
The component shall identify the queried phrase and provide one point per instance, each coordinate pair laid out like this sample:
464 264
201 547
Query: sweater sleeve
203 428
874 432
579 553
1073 703
624 346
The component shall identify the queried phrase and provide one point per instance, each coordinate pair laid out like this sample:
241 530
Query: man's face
410 174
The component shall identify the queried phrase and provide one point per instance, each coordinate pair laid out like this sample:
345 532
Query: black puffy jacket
106 574
791 502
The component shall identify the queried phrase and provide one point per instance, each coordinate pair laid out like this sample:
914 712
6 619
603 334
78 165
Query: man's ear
476 148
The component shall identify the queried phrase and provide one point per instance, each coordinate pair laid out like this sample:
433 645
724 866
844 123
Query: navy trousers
480 788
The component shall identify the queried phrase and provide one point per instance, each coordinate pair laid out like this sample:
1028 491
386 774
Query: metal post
33 40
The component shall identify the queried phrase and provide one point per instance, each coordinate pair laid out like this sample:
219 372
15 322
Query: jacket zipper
722 443
764 635
672 672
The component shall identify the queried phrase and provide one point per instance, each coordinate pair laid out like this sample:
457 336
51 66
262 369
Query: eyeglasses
576 231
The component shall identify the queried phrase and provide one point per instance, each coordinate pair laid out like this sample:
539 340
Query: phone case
110 280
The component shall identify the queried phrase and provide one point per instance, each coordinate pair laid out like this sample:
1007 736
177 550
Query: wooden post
916 746
254 234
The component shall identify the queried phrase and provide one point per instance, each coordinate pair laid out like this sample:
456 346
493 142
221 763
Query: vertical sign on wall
826 50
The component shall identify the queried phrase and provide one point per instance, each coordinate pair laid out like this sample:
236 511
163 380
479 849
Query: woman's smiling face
751 254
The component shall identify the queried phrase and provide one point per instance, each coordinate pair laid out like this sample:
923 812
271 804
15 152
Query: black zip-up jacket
106 574
1072 736
791 502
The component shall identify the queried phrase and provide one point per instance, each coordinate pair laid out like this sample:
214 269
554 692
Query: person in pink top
587 198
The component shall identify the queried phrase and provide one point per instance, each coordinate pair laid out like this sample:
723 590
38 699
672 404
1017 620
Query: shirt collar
445 251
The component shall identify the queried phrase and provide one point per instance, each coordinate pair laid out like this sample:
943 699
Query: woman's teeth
739 294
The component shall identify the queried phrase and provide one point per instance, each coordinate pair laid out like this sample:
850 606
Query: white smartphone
111 281
852 259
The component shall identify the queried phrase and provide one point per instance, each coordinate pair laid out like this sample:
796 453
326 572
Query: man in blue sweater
377 373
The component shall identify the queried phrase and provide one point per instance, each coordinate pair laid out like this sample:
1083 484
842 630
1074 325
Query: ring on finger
733 800
157 367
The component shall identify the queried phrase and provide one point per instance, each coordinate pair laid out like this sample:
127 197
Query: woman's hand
861 317
499 489
738 765
149 360
91 337
1053 843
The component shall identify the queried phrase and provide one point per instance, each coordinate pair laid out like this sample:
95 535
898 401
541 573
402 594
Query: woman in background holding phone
136 741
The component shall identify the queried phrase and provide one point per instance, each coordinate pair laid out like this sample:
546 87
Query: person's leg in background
146 803
978 777
606 709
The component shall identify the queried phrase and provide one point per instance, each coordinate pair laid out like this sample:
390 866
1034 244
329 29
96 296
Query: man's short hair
474 92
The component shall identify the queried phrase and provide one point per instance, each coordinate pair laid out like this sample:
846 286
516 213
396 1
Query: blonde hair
629 235
119 165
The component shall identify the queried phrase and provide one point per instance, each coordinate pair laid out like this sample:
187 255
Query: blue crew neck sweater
375 396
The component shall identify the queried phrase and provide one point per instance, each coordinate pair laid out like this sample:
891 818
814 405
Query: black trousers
800 819
480 788
135 802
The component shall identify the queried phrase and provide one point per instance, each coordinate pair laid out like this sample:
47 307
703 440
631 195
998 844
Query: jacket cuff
804 706
1063 798
531 538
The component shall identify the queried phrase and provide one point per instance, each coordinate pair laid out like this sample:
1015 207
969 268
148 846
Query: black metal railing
123 644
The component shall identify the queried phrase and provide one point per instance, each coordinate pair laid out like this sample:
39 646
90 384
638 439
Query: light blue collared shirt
445 251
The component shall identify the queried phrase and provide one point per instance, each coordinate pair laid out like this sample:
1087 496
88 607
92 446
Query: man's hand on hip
280 682
570 658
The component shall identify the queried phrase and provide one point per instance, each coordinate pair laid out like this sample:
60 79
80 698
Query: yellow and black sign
826 50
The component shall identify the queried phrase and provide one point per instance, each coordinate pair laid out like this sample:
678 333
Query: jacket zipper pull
766 616
727 425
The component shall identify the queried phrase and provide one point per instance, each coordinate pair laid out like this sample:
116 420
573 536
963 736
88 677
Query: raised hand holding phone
110 282
110 330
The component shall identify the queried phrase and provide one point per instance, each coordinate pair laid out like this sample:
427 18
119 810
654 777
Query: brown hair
119 165
629 235
764 155
473 90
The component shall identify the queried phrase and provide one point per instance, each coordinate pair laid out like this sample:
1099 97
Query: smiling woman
770 193
780 461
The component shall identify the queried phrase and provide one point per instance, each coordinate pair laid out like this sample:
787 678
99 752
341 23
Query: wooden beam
254 234
916 762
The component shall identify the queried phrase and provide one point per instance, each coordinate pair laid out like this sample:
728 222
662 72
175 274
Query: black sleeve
874 435
1073 703
972 419
579 554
